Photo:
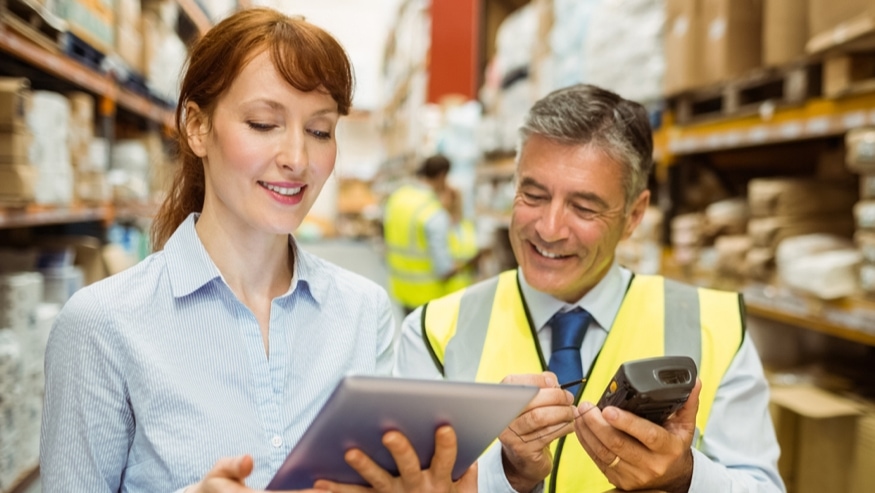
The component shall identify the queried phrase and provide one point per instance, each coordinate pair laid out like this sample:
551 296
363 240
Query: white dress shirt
739 453
155 373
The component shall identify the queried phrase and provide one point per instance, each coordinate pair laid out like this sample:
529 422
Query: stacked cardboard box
860 158
785 31
710 41
93 21
17 176
783 208
129 34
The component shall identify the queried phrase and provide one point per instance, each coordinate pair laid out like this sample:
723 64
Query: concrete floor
361 256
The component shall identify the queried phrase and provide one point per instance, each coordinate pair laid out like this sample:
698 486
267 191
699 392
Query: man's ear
636 213
196 129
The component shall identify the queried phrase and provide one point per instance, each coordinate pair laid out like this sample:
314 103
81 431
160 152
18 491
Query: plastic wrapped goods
623 50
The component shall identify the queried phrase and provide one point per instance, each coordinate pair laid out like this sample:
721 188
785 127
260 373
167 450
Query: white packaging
821 265
20 294
624 48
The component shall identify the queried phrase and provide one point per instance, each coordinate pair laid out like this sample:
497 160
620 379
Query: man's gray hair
584 114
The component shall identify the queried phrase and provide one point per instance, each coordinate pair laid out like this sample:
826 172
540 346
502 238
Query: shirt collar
191 267
602 301
188 262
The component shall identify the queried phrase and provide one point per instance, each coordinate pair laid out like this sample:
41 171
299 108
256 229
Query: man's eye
584 210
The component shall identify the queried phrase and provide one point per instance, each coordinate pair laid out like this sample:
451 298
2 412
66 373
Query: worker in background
583 161
416 230
463 244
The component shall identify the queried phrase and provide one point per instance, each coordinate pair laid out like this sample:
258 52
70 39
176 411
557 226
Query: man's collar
602 301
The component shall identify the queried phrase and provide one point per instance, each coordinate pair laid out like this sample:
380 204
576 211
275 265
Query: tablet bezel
362 408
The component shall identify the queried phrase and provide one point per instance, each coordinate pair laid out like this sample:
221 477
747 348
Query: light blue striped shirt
155 373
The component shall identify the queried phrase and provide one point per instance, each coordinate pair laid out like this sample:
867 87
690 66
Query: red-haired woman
198 369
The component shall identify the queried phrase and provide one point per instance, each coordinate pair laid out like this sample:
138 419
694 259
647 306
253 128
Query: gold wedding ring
614 462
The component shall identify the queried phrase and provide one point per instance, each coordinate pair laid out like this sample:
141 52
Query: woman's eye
319 134
260 127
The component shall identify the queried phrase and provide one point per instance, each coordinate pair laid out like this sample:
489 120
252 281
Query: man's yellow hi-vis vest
484 333
411 274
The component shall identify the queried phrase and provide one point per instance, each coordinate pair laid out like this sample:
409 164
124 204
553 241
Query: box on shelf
799 196
825 15
785 31
844 72
17 183
769 232
15 147
683 46
860 154
864 213
732 39
15 102
866 276
129 34
91 21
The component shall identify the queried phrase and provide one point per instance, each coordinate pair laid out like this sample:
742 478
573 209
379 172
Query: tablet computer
362 408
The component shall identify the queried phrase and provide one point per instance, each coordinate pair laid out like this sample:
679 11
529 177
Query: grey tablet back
361 409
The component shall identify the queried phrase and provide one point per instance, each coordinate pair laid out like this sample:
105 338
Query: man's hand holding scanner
411 479
635 453
526 441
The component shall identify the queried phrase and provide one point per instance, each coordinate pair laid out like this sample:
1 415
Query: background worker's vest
483 334
463 247
411 274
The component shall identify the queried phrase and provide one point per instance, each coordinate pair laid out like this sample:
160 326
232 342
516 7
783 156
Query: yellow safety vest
484 333
411 274
463 247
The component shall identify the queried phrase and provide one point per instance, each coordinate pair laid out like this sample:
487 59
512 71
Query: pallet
748 95
34 22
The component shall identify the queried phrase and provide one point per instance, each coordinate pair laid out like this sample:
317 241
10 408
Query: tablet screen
361 409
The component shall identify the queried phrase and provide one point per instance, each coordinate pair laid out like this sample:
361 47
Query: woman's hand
412 478
228 476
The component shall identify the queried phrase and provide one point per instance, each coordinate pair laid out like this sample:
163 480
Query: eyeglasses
572 383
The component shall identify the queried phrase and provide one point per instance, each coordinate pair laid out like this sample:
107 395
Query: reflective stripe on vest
484 334
463 247
411 273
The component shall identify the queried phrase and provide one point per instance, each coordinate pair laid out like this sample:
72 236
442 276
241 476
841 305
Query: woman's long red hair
306 56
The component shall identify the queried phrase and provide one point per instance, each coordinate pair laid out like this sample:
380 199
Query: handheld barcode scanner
653 388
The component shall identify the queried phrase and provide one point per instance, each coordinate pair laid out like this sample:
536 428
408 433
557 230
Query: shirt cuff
490 473
708 476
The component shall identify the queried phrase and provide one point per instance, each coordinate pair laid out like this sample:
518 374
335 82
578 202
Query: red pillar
454 48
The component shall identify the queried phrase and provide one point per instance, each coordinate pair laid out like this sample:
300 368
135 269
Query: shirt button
276 441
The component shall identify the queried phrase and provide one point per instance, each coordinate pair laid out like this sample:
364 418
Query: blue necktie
568 330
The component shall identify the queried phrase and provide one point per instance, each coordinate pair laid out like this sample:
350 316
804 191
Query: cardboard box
683 47
785 31
17 183
15 102
824 15
129 34
842 72
769 232
15 147
817 434
799 196
860 145
733 37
